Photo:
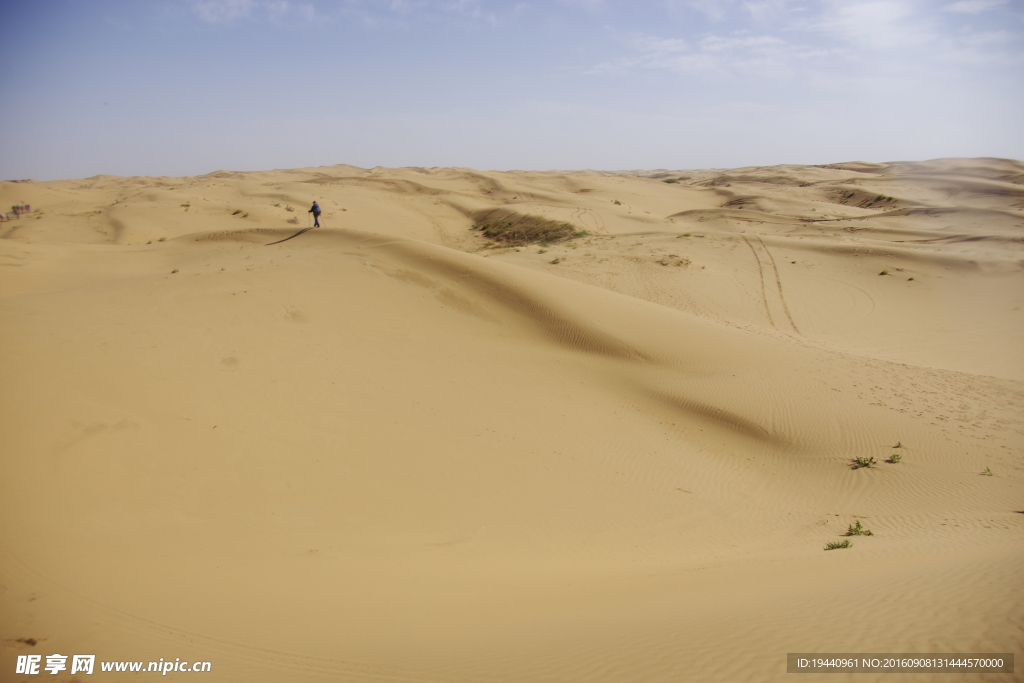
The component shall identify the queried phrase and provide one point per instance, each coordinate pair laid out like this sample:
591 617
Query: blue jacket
315 210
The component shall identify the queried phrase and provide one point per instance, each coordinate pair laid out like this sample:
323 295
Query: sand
391 449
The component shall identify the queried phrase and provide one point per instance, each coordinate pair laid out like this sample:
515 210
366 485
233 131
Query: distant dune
572 426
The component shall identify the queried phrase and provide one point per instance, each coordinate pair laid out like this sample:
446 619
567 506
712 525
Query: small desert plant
277 204
289 208
894 458
236 212
899 444
988 472
909 278
670 180
187 204
858 530
835 545
884 272
542 251
861 461
617 202
174 271
293 221
162 239
556 261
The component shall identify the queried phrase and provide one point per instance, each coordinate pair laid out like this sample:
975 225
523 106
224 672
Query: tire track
764 291
778 284
772 296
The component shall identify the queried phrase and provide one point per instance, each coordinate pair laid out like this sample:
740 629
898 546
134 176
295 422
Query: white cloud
375 13
974 6
227 11
875 24
738 54
766 10
716 10
985 49
222 11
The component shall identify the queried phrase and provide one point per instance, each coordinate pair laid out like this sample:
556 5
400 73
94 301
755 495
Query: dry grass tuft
515 229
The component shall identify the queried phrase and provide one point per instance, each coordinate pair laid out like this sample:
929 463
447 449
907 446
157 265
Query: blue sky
184 87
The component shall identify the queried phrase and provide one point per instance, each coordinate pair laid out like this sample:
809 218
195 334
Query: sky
187 87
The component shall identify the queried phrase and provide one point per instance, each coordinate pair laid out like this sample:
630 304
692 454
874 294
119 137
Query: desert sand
394 449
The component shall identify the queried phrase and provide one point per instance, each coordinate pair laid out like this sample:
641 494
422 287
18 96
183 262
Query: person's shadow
288 238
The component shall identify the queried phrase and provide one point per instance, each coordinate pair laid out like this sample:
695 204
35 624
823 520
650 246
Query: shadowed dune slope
391 449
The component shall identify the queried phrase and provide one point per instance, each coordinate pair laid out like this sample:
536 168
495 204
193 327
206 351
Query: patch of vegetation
858 529
670 180
988 472
289 208
174 271
293 221
899 444
884 272
514 229
894 458
162 239
835 545
861 461
236 212
186 204
616 202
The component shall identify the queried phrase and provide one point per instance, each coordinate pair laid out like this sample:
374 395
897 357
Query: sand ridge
392 449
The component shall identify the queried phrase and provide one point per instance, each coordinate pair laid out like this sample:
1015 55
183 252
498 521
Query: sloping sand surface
392 449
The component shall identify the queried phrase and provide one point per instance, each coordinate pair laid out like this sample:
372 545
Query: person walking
316 214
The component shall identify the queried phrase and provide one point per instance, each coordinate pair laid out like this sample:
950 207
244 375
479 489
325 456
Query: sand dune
395 449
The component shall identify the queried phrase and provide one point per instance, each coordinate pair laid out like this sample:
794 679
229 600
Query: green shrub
860 461
857 529
835 545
